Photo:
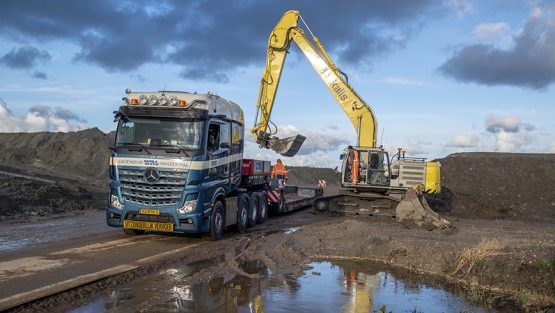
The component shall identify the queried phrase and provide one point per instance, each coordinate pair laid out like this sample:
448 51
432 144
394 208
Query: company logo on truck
152 175
151 162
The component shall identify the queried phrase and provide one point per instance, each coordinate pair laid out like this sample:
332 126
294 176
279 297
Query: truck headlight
188 206
114 201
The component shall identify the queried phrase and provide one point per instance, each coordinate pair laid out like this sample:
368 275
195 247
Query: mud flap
414 212
288 146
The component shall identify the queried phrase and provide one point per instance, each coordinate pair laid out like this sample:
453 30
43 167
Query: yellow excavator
372 184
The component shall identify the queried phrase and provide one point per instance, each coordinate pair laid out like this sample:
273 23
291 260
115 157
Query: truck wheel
255 207
263 207
242 213
277 207
216 223
133 232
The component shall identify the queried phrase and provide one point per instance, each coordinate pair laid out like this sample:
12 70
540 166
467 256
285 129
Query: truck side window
213 137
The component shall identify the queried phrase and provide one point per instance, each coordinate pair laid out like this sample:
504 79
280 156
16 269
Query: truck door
218 149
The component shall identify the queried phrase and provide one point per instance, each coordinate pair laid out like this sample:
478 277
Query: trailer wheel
216 223
133 232
277 207
263 207
242 213
255 207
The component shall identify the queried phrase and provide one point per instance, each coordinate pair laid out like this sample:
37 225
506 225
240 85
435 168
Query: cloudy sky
442 76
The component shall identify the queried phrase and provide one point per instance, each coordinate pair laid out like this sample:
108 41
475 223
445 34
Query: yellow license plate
150 212
148 225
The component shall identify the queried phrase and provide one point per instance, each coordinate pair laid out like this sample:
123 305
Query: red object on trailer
256 167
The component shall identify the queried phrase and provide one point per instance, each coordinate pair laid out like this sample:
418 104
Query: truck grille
166 191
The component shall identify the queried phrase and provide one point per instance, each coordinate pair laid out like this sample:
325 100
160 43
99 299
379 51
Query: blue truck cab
176 165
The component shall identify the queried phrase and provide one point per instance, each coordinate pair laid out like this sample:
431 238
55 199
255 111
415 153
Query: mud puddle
325 287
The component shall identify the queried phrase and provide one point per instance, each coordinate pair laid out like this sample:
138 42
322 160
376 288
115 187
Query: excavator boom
360 114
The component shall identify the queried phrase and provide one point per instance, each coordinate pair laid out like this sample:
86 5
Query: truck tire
133 232
277 207
242 213
254 209
263 207
216 223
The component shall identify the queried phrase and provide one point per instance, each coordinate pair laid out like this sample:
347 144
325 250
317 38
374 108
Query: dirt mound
474 185
515 186
22 198
309 176
83 153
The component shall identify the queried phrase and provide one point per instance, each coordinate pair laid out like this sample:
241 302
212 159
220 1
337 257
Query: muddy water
325 287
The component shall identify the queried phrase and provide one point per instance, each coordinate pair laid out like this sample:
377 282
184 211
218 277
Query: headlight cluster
114 201
162 100
188 206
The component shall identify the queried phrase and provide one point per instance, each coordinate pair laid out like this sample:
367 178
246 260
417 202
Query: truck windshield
153 132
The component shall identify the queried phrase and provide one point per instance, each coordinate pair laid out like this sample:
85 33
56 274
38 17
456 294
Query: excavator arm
287 31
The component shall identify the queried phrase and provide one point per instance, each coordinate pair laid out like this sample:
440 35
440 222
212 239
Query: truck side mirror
224 145
342 156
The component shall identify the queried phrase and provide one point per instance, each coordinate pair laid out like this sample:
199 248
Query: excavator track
368 205
412 211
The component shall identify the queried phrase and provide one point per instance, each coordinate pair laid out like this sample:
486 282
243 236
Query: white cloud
512 142
509 132
35 121
551 148
315 141
464 141
491 30
507 123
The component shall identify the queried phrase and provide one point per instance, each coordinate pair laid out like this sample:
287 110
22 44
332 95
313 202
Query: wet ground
270 265
38 230
326 287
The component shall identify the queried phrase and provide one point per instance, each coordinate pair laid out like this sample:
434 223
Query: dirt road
502 259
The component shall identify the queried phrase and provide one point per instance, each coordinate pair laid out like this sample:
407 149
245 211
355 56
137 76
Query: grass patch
471 256
482 297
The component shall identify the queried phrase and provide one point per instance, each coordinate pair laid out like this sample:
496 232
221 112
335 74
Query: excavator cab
364 168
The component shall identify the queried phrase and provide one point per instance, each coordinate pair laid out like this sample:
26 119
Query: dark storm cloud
528 64
58 112
211 38
25 57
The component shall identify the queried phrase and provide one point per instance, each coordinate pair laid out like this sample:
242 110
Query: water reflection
325 287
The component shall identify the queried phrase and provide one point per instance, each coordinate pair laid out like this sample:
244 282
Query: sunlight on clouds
512 142
315 140
464 141
38 120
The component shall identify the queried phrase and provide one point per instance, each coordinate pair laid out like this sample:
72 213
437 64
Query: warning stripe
273 195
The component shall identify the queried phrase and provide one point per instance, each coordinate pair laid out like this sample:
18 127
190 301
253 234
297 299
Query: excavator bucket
287 146
414 212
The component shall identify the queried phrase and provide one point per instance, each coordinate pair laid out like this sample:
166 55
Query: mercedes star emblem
152 175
